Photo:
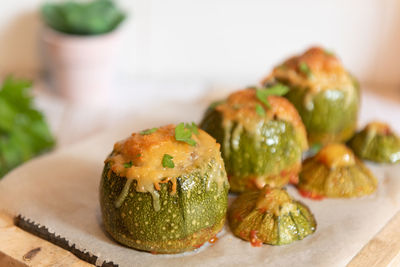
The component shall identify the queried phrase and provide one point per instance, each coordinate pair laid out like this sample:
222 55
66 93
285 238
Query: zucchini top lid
377 127
274 201
270 216
316 69
159 155
336 155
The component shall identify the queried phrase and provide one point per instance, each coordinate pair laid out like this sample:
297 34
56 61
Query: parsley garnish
260 110
184 133
193 128
148 131
167 161
329 52
128 164
263 93
304 68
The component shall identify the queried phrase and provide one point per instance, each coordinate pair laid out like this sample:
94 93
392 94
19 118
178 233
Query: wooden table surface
20 248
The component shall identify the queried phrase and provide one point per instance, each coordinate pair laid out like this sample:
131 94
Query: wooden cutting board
20 248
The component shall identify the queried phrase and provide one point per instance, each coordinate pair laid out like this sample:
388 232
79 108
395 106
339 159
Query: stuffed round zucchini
270 216
164 190
324 93
377 142
336 173
262 138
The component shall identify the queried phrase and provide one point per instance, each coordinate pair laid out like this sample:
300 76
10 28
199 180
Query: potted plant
80 43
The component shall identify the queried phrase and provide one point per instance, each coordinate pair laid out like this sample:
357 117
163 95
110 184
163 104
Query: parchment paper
60 191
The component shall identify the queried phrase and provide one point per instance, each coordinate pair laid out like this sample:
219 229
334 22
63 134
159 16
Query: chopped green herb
277 89
167 161
148 131
184 134
193 128
262 95
128 164
138 155
260 110
305 69
329 52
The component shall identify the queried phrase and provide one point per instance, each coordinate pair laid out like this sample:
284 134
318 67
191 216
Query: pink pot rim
52 36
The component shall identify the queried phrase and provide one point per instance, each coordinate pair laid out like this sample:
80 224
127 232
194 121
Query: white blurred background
226 41
195 51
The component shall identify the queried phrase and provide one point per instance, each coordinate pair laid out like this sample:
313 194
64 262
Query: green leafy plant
23 130
83 18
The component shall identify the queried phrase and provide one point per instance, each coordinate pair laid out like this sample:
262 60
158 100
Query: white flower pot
81 68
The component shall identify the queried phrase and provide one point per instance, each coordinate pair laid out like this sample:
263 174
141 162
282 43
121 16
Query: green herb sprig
305 69
260 110
148 131
167 161
192 127
183 133
128 164
329 52
263 93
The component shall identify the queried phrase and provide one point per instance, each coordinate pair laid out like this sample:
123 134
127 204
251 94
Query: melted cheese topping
336 155
377 127
326 73
146 152
241 107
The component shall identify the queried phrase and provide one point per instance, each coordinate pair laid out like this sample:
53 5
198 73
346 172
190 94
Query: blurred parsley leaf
167 161
184 133
23 130
277 89
149 131
193 127
305 69
260 110
128 164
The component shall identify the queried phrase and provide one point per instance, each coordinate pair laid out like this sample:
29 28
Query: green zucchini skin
327 117
378 148
293 222
186 220
316 180
272 153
